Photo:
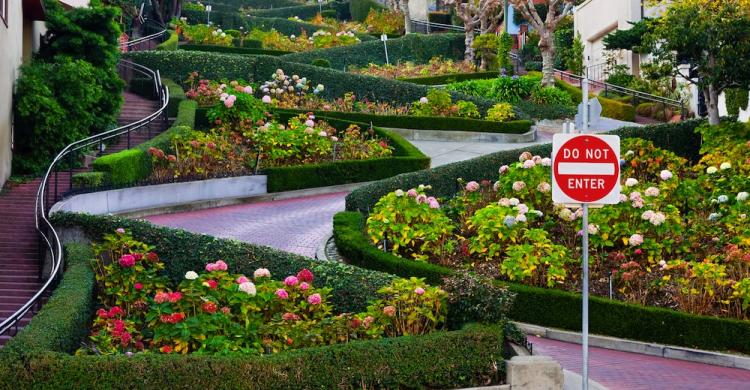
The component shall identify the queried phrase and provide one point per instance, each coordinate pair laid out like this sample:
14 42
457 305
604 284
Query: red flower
174 296
166 349
305 275
211 284
289 341
209 307
127 261
119 325
356 323
138 256
161 297
102 313
115 310
638 251
125 338
290 317
138 286
226 310
151 256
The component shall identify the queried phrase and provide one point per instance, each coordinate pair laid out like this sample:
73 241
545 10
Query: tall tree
556 11
404 4
484 15
706 42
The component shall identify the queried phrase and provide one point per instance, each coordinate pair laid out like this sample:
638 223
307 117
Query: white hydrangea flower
191 275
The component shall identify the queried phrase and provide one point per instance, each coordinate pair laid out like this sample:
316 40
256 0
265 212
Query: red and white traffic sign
585 168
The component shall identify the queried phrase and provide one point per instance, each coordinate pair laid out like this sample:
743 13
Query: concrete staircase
19 242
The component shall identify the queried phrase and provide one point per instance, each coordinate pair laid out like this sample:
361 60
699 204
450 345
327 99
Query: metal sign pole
585 245
384 38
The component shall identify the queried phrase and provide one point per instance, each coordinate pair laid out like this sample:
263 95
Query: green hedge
282 25
405 158
360 8
170 43
133 165
38 357
560 309
176 96
300 11
416 48
610 108
247 43
450 78
232 49
178 64
427 122
227 20
90 179
677 137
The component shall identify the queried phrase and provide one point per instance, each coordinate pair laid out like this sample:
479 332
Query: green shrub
543 111
501 112
186 114
450 78
127 166
610 108
560 309
170 43
247 43
176 96
321 62
502 89
232 49
533 66
328 13
360 8
416 48
680 138
736 100
550 96
89 179
59 103
428 123
645 109
283 25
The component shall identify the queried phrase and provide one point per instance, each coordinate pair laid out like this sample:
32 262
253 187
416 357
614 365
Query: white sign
585 169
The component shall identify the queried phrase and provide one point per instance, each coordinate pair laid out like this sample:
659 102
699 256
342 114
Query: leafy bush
504 88
385 21
89 179
533 66
550 96
542 111
59 103
306 11
620 75
123 167
500 112
475 299
321 62
170 43
233 50
359 9
176 96
736 100
450 78
610 108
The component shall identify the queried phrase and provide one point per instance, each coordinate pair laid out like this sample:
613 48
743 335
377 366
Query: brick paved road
294 225
623 370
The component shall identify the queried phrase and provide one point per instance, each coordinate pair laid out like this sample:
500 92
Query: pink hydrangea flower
389 311
291 281
528 164
242 279
544 187
434 204
305 275
127 261
421 198
522 208
635 240
519 186
282 294
504 202
304 286
419 291
314 299
262 273
229 102
266 99
546 162
651 191
472 186
503 169
665 175
120 231
248 89
412 193
221 265
309 123
138 286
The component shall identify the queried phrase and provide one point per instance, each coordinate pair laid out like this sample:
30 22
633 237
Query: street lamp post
384 38
320 7
208 14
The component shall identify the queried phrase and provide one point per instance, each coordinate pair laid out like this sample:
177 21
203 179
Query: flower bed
676 240
39 354
436 66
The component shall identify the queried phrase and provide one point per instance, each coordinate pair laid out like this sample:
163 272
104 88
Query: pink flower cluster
171 297
472 186
127 261
219 265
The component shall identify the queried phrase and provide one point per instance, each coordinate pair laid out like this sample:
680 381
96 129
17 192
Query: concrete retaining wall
128 200
465 136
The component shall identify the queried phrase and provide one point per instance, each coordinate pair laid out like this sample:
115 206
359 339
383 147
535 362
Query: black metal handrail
607 87
50 241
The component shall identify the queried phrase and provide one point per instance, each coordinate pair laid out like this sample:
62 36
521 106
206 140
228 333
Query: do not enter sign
585 169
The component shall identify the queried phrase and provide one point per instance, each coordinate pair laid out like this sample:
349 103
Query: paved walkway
446 152
624 370
293 225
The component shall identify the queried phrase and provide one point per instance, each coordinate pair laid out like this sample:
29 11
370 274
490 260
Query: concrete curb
320 251
652 349
464 136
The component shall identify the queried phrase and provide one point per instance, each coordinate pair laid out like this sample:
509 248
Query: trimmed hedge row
451 78
39 355
133 165
170 43
610 108
247 43
178 64
416 48
677 137
360 8
426 122
176 96
232 49
300 11
560 309
284 26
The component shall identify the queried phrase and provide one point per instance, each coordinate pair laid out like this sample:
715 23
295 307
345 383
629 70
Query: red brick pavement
624 370
293 225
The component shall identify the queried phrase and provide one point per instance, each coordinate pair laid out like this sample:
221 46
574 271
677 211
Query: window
4 11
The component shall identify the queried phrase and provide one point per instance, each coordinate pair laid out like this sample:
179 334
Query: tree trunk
469 42
712 104
547 47
407 17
